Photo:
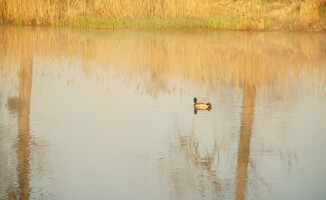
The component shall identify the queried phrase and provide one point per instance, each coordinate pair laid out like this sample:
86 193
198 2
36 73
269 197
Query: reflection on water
21 106
23 151
194 171
248 105
116 110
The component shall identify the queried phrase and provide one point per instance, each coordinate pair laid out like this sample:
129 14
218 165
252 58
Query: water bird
201 106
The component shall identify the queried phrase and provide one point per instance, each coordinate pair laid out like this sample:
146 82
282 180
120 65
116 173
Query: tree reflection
249 96
23 149
22 107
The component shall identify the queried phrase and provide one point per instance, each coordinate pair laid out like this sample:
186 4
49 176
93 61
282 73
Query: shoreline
183 23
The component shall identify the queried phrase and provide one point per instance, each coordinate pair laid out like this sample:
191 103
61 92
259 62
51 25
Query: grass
166 14
323 12
225 23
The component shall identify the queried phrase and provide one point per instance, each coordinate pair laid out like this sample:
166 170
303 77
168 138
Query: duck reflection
206 109
21 106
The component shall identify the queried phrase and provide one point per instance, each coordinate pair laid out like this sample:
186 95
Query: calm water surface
94 114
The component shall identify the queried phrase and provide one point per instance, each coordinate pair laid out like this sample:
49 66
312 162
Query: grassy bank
180 14
226 23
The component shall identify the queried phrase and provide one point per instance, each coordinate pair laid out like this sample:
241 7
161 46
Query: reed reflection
273 60
193 173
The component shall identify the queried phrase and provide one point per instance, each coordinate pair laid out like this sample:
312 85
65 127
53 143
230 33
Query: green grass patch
323 12
240 23
290 24
90 22
216 23
18 22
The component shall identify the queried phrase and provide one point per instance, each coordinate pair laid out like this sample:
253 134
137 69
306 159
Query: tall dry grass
256 12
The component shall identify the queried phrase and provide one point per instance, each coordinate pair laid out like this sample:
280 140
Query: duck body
201 105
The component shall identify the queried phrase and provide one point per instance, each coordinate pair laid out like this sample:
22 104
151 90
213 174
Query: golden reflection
273 60
160 61
247 118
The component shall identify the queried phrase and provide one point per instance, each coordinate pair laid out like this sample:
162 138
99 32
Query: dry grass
254 14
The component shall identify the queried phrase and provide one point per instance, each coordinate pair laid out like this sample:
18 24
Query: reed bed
211 14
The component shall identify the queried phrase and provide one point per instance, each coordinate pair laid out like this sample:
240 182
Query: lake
109 114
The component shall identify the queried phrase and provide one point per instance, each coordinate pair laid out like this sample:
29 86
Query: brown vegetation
230 14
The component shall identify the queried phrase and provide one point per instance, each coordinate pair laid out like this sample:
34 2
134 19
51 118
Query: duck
202 105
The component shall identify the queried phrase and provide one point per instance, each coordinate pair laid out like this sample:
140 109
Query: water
98 114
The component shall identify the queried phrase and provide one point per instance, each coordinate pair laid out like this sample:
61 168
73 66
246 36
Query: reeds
227 14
